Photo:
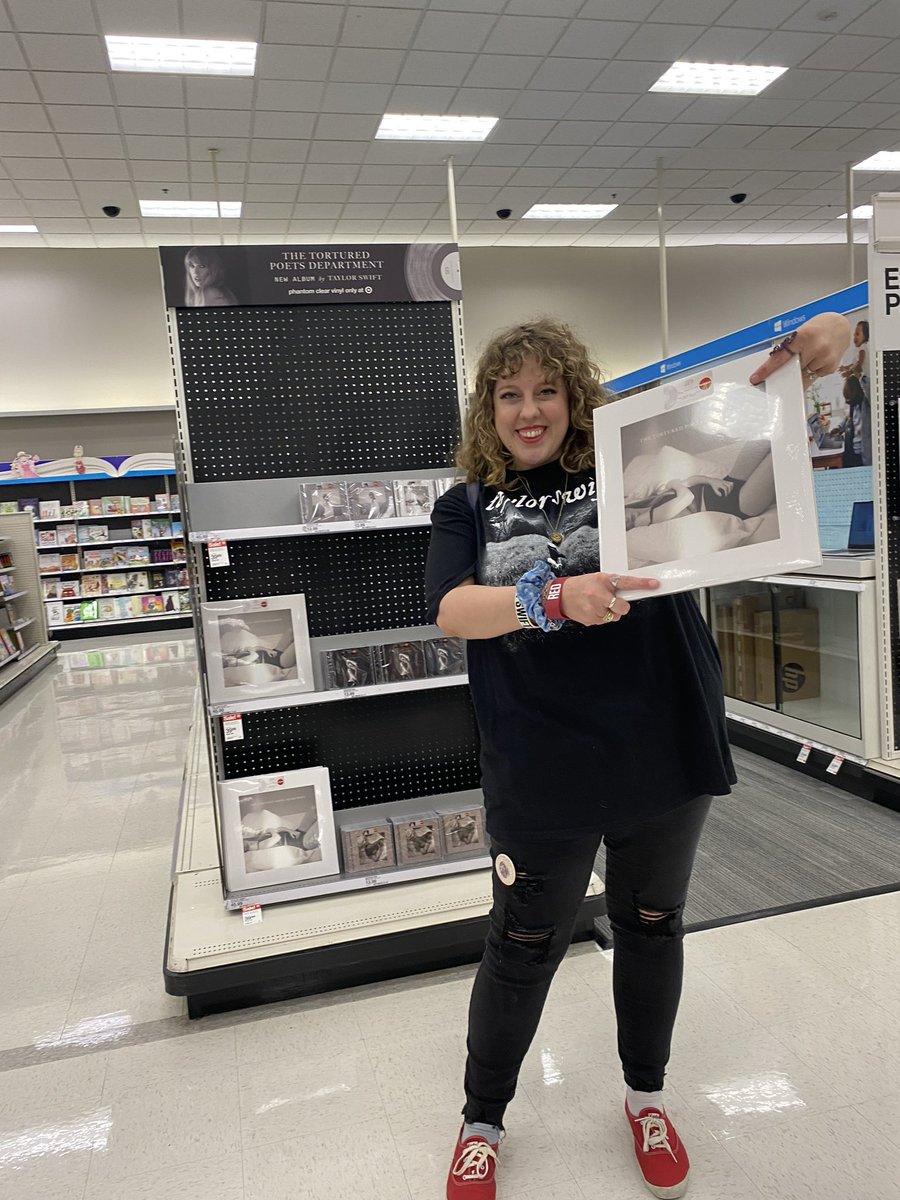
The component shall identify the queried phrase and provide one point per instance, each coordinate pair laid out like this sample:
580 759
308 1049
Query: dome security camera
738 197
504 213
111 210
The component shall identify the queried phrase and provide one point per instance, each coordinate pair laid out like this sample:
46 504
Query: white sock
491 1133
638 1101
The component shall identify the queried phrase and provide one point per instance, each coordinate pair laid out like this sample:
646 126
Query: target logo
263 604
279 782
705 383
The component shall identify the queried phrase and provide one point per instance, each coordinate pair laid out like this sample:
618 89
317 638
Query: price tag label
373 880
233 727
310 528
804 753
218 554
360 524
835 765
252 914
350 693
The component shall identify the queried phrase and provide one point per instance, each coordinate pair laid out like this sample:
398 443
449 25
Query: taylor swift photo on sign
706 479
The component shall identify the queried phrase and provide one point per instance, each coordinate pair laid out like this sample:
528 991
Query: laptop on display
861 538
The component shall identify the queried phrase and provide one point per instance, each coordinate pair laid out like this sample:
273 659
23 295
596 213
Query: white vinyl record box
706 479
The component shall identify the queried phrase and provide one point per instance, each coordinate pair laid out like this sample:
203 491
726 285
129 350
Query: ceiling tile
478 102
153 120
820 112
844 14
56 208
525 35
302 24
426 66
577 133
65 87
155 146
323 194
759 14
486 176
48 16
47 189
880 20
278 95
826 139
659 107
286 193
16 86
255 210
658 43
763 111
733 135
365 212
99 168
800 84
14 210
94 195
681 134
543 177
378 173
334 152
634 77
502 156
355 98
65 225
600 106
139 91
27 145
530 133
542 105
227 172
373 66
453 31
291 62
10 55
846 52
138 18
64 52
230 149
240 20
218 93
691 12
282 124
565 74
724 45
411 98
226 123
24 118
605 156
594 39
391 29
376 193
258 172
83 118
346 127
158 172
859 85
554 156
328 173
781 49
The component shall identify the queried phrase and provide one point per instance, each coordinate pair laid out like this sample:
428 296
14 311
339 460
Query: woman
598 719
204 279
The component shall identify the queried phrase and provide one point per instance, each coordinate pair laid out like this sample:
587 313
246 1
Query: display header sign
846 301
224 276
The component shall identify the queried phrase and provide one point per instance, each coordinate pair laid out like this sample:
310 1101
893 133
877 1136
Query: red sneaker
472 1173
662 1158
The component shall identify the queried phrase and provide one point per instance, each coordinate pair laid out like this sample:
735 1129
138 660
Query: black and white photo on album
706 479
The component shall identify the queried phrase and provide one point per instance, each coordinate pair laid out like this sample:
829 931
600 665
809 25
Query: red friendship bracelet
553 599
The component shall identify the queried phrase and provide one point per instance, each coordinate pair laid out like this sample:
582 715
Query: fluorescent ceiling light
190 208
181 56
19 229
410 127
716 79
884 160
569 212
862 213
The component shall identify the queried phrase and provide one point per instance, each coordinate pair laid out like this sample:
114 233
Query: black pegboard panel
353 582
890 372
378 750
312 390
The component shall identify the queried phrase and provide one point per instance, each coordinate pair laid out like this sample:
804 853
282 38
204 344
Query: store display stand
22 615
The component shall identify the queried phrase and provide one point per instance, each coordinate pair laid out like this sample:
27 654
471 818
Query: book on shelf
95 558
152 604
96 533
106 608
89 610
8 507
171 602
184 601
49 510
67 512
30 505
6 559
69 589
49 562
71 614
81 508
47 538
139 504
69 562
67 535
50 588
176 529
92 585
161 500
116 582
414 497
175 577
55 614
114 506
7 587
134 581
7 645
95 508
137 555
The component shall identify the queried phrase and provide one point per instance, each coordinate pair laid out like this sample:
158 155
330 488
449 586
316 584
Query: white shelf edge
147 591
790 736
7 570
14 595
160 512
121 620
178 562
356 882
305 529
10 658
24 623
297 699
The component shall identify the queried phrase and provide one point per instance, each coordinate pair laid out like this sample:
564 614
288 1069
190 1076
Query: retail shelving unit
158 584
271 397
24 645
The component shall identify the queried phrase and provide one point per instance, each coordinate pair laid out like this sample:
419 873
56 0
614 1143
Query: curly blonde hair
562 357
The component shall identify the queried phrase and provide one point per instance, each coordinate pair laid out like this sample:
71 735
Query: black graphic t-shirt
589 728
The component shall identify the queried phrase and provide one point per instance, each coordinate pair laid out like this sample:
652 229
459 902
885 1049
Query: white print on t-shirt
572 496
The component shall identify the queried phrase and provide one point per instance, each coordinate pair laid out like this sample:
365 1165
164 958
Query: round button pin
506 871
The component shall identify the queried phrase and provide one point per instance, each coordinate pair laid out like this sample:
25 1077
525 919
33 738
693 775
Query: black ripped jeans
531 927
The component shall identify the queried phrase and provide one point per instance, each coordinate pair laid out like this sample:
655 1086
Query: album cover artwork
445 656
402 662
370 501
414 497
368 847
463 829
258 646
323 502
356 666
418 838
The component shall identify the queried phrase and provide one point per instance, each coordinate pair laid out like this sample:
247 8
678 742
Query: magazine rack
270 397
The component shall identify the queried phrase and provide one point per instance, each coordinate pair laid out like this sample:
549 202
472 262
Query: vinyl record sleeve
706 480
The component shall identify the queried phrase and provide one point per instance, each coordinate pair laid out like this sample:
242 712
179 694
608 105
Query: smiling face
859 335
531 415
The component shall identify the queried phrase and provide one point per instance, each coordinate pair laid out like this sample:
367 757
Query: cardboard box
798 661
724 635
744 610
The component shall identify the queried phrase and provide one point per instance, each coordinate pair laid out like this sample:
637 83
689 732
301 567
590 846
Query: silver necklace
553 532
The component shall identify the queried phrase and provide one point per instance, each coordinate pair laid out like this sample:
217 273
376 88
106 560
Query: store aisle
785 1079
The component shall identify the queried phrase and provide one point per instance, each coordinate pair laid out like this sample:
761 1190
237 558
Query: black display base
330 968
853 777
98 629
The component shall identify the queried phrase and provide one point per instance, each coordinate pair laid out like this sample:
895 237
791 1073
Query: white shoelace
656 1134
474 1162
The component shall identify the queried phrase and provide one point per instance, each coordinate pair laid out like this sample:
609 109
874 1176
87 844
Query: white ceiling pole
451 201
213 156
848 180
663 273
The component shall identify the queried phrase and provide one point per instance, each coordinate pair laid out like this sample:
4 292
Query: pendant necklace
553 532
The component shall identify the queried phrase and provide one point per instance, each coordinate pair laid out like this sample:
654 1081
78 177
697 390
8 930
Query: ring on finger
614 582
610 616
611 607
